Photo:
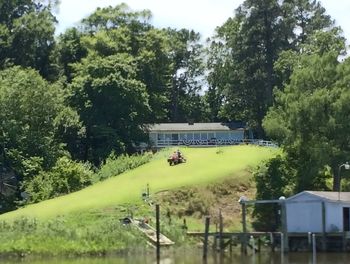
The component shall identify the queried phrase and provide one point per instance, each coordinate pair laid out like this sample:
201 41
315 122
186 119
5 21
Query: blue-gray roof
331 196
163 127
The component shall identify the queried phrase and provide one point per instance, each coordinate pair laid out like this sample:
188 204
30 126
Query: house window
183 136
237 135
189 136
196 136
211 135
160 136
222 135
167 137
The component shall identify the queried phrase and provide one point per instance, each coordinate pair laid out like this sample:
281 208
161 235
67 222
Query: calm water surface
194 256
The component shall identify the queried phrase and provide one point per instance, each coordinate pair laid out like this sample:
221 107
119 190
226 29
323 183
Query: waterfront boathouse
198 134
326 215
316 212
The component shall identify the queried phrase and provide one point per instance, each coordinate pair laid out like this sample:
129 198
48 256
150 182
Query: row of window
229 135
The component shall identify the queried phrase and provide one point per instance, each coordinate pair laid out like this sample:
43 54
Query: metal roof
163 127
332 196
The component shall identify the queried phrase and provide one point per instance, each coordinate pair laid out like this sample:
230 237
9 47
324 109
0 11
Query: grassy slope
204 165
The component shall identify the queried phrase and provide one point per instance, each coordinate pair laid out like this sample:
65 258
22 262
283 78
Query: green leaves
118 103
31 116
309 119
66 176
27 36
254 53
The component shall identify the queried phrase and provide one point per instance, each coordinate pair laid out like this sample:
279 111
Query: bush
77 234
273 179
117 165
65 177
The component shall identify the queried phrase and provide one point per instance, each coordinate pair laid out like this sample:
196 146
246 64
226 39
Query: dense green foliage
245 49
27 35
34 116
111 103
273 179
64 177
309 118
276 64
114 166
68 236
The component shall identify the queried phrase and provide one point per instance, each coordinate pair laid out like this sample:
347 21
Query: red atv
175 159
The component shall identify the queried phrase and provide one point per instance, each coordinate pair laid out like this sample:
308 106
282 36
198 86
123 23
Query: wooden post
206 234
282 243
252 240
221 230
272 241
324 235
157 232
244 224
309 240
314 261
147 191
284 226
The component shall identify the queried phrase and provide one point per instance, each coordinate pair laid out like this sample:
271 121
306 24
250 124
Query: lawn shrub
116 165
199 205
67 235
65 177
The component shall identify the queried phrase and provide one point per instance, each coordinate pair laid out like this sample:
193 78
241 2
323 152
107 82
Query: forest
70 102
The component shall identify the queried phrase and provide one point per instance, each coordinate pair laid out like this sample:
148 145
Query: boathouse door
346 218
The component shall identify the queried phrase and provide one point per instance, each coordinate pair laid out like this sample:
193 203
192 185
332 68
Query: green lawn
204 165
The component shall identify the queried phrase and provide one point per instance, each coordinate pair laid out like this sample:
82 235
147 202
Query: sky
201 15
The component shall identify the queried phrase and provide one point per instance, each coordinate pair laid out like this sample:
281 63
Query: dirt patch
197 202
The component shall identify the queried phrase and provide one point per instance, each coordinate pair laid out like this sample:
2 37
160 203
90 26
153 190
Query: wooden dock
151 233
221 240
336 241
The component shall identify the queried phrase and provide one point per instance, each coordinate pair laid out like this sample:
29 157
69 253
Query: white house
312 211
197 134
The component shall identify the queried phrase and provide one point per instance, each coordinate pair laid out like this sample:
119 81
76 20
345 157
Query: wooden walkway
150 232
325 241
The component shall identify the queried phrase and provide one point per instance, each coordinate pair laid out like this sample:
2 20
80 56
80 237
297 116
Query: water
185 256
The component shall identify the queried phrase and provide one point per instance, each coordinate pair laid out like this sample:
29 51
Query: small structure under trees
326 214
198 134
313 211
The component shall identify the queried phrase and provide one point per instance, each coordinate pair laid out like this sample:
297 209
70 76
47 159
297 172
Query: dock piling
221 230
309 240
314 260
157 232
244 223
272 242
206 235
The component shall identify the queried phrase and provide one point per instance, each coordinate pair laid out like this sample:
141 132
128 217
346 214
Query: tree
273 179
66 176
70 49
249 46
118 60
27 32
116 17
155 71
308 120
187 70
34 117
170 62
112 104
